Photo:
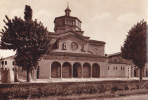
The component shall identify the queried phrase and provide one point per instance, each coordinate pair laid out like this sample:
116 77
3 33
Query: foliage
59 89
28 38
135 45
126 87
28 13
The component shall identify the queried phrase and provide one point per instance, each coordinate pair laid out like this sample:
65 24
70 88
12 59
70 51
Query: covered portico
76 66
74 70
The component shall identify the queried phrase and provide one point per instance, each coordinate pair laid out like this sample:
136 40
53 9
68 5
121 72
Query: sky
103 20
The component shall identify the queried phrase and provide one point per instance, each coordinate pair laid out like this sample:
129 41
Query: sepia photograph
73 50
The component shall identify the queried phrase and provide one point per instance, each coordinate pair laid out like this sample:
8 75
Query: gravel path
132 97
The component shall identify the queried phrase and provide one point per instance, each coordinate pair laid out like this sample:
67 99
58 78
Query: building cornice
75 54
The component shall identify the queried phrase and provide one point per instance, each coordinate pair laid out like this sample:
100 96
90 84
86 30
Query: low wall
37 90
8 75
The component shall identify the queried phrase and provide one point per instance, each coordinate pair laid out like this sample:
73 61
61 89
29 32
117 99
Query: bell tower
67 22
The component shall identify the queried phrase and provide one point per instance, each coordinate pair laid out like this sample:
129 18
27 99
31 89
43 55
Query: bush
126 87
101 88
38 90
114 89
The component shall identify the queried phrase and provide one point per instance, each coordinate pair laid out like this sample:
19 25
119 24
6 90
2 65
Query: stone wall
44 69
7 75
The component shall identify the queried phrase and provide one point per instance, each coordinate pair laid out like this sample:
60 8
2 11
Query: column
50 71
61 71
82 71
91 71
129 72
72 71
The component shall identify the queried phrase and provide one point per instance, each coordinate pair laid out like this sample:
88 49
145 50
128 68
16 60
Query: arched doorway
66 70
95 70
55 70
86 70
77 72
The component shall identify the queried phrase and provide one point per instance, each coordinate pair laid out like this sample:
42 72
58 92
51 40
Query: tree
28 38
135 46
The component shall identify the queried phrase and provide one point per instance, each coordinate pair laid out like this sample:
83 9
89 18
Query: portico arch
66 70
77 70
95 70
86 70
55 70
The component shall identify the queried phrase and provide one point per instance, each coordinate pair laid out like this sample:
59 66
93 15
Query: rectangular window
73 22
121 68
116 68
5 62
68 21
13 63
2 62
115 60
108 67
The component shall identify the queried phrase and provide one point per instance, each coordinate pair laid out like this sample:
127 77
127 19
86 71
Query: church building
73 55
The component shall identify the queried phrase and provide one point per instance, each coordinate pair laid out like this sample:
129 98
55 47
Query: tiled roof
10 57
95 41
115 54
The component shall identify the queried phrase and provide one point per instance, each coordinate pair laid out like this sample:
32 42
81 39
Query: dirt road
132 97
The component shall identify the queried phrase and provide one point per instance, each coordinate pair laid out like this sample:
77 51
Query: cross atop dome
67 10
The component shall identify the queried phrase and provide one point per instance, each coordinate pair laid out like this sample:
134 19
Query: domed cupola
67 11
67 22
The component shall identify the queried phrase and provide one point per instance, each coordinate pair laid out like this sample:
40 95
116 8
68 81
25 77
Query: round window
74 46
